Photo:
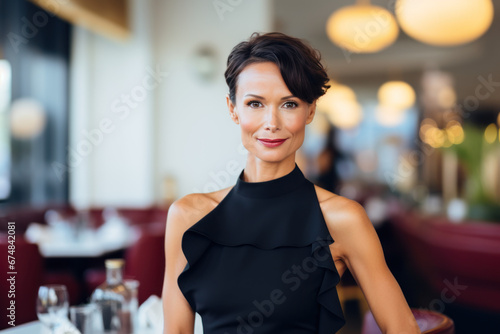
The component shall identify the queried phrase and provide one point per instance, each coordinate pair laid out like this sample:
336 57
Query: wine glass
52 305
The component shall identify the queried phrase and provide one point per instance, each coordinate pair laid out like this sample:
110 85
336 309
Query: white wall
117 168
182 128
196 139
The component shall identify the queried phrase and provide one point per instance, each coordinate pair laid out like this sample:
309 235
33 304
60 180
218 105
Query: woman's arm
177 313
358 245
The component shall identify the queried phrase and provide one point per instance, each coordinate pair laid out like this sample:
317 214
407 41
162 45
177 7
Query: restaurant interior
112 110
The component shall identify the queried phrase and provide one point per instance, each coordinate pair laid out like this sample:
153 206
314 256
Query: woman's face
265 109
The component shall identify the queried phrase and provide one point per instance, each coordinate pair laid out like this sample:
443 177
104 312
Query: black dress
259 262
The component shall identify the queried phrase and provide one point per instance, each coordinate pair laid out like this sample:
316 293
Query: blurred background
111 110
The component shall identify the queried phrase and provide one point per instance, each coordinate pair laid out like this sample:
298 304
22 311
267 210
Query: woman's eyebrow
260 97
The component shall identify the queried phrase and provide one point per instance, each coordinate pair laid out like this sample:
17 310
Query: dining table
62 242
89 248
72 253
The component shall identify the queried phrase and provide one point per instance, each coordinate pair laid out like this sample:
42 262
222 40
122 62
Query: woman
265 255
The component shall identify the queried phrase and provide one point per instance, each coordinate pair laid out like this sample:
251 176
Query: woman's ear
310 112
232 110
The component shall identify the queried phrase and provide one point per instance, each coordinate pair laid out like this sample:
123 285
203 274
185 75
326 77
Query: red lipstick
268 142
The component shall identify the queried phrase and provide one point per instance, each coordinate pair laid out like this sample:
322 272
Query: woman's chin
271 156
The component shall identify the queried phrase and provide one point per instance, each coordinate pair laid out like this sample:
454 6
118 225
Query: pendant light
362 28
389 116
396 94
340 106
444 22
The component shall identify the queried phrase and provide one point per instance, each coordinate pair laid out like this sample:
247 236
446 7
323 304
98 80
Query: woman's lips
271 142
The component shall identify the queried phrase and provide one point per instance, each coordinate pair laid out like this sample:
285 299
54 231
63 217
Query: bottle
115 300
133 286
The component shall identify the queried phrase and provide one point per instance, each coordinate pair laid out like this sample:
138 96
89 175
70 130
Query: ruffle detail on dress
198 239
331 316
194 245
217 228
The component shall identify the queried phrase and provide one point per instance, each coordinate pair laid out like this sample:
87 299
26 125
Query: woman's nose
273 121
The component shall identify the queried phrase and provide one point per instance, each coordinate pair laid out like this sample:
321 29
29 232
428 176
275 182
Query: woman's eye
254 104
290 105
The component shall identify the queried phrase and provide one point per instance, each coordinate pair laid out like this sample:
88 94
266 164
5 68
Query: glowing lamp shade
27 118
444 22
320 124
338 92
396 94
389 116
362 28
340 106
346 114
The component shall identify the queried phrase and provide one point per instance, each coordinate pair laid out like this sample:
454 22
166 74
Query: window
5 84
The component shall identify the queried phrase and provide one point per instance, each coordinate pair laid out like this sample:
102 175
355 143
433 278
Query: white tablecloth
36 327
61 241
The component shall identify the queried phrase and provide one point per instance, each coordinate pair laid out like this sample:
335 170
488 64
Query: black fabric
259 262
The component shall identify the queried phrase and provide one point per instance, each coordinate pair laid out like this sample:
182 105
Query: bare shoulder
342 215
190 208
334 202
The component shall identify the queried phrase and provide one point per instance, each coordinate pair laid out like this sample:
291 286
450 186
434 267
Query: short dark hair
299 63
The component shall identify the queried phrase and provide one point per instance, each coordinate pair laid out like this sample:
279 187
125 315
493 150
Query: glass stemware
52 305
